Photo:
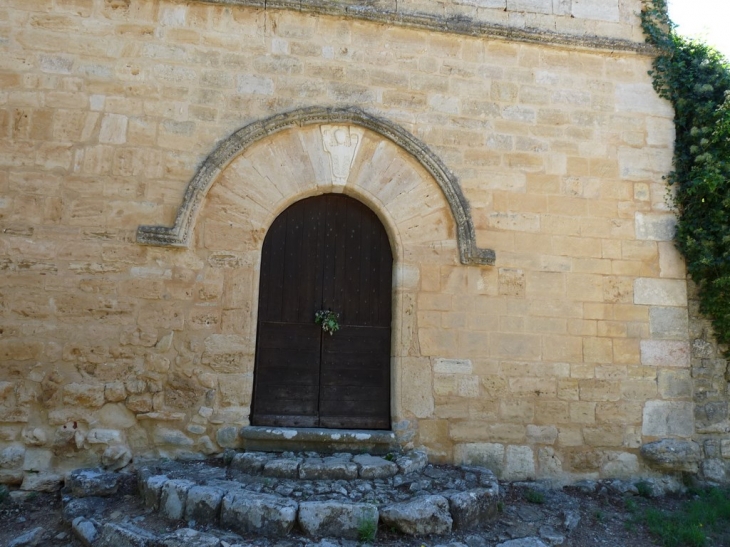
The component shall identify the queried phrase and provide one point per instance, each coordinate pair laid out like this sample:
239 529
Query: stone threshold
315 439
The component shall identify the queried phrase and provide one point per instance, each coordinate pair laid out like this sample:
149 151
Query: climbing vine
696 79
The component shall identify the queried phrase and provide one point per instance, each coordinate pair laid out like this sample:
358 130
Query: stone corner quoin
511 155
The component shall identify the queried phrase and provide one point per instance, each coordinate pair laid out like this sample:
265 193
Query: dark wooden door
326 252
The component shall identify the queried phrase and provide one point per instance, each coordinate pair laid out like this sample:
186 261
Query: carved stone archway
180 233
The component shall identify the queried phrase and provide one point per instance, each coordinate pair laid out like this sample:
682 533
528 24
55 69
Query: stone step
272 495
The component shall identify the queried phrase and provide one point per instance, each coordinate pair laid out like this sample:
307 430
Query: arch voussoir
180 233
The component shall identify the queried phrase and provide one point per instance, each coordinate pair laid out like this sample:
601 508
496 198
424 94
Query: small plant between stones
366 530
535 496
644 489
4 494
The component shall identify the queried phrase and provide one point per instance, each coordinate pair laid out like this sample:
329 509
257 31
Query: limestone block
660 292
725 448
12 457
620 465
489 455
104 436
519 463
250 84
284 468
92 482
542 434
253 513
116 457
11 476
251 463
417 386
115 392
665 353
334 468
336 519
42 482
83 395
115 416
37 459
655 227
113 129
151 490
474 508
452 366
173 497
549 462
187 537
203 504
639 97
714 470
374 467
674 384
175 437
412 461
235 389
635 164
85 531
666 418
421 516
228 437
116 535
669 323
673 455
226 353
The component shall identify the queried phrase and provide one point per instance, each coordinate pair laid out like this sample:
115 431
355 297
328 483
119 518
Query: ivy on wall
696 79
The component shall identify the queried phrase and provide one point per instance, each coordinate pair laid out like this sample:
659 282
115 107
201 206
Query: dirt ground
599 518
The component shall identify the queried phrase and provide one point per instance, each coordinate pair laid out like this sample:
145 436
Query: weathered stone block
660 292
151 490
253 513
187 537
669 323
489 455
419 517
374 467
92 482
174 496
665 353
124 535
285 468
519 463
474 508
412 461
203 504
327 469
336 519
673 455
665 418
656 227
251 463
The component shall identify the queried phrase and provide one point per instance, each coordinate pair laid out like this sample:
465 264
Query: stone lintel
283 439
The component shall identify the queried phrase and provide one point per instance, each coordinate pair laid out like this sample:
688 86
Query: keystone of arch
180 233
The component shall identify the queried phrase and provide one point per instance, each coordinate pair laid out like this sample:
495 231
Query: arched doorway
329 252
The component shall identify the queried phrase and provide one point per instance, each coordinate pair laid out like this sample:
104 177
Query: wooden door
327 252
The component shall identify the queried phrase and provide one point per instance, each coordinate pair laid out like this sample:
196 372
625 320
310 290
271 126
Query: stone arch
180 233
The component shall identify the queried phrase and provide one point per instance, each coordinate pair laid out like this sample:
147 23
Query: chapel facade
445 223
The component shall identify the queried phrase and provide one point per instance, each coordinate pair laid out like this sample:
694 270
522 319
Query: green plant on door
329 321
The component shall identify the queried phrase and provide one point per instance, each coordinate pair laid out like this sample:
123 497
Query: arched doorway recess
328 252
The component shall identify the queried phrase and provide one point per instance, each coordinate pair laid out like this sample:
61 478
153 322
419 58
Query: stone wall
560 360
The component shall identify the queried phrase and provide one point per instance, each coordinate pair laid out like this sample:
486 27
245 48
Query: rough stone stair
262 495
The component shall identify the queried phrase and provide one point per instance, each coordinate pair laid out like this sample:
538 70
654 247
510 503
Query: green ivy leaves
696 79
